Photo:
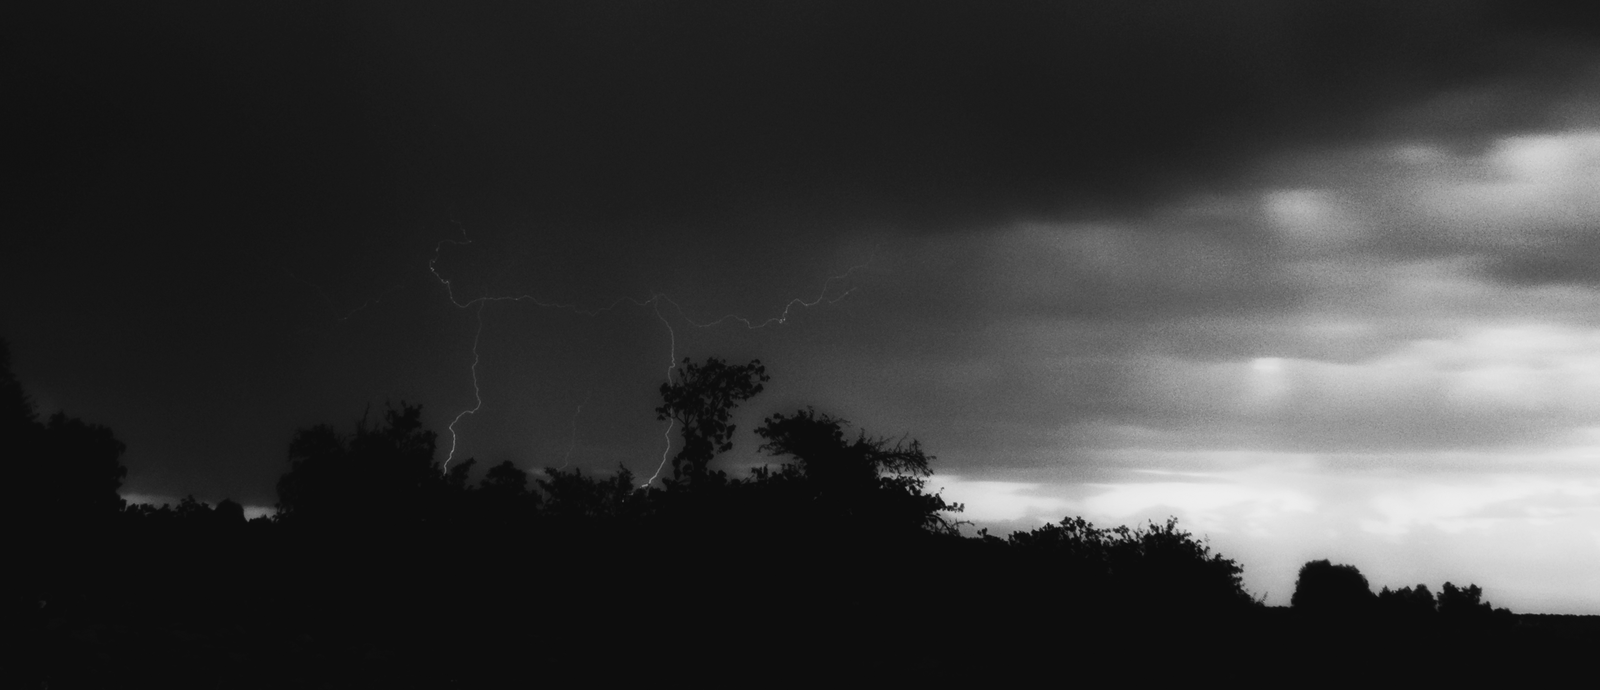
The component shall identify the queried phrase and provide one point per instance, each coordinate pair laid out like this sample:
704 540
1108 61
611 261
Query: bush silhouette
1152 569
571 496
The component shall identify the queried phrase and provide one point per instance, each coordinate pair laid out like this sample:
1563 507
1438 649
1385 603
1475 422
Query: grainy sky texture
1322 279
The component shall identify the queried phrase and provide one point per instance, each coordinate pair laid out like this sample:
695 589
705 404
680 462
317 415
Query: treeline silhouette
1340 592
381 567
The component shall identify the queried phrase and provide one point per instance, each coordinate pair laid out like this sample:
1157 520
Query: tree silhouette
504 498
80 471
381 474
1412 603
1464 609
700 402
506 479
16 408
870 482
70 471
1324 588
1461 602
571 496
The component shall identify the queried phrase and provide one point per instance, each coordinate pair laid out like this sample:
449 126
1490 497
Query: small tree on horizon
380 474
870 481
1325 588
1408 602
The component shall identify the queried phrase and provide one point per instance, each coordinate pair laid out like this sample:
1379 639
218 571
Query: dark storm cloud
925 114
597 150
620 117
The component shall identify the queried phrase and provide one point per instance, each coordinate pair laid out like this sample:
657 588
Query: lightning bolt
783 317
672 363
573 444
780 319
333 309
477 394
654 302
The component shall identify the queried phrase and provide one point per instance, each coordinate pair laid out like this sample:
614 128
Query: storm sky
1322 279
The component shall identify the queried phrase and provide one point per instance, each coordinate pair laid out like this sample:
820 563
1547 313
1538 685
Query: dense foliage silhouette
700 403
865 484
1408 603
1150 569
1327 589
1464 608
68 474
381 476
1340 614
383 568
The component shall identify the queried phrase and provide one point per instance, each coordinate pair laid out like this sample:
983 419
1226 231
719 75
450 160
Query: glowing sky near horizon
1415 417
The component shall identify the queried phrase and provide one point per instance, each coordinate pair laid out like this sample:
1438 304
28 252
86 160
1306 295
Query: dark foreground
268 611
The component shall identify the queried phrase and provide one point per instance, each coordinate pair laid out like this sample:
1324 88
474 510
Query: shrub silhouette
1152 569
571 496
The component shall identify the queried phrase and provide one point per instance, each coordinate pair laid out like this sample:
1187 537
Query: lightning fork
653 302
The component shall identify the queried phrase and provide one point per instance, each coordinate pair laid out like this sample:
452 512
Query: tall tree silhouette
701 402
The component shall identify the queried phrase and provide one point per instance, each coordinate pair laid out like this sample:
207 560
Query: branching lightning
653 302
783 317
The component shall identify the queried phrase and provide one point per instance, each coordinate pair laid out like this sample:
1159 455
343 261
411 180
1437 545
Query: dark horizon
1318 279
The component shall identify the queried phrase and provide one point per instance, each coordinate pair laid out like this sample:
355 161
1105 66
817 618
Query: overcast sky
1322 279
